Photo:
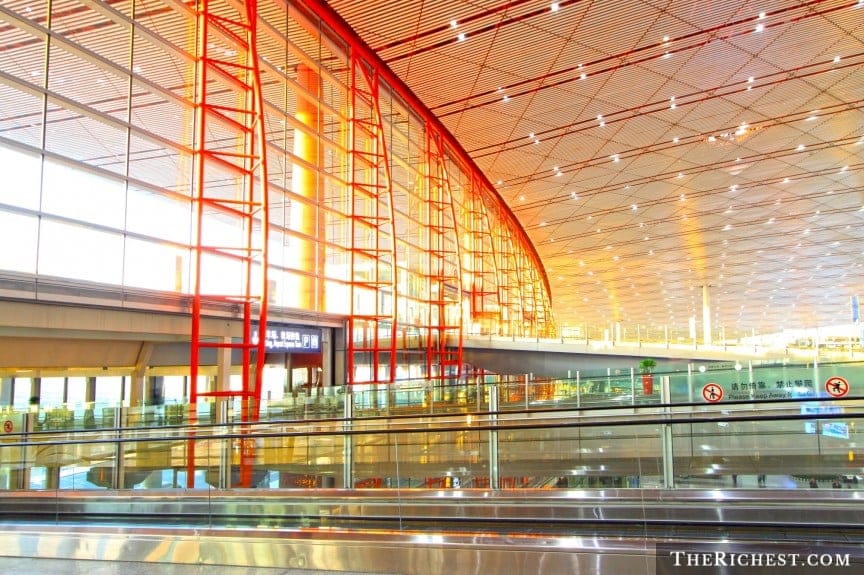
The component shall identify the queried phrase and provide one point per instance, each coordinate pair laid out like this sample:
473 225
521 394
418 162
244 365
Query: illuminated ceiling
651 148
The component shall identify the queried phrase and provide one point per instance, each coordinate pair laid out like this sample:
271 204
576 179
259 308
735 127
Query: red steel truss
372 319
444 326
230 195
486 304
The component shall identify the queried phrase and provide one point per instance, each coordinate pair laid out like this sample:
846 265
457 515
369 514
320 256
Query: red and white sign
712 393
836 386
8 426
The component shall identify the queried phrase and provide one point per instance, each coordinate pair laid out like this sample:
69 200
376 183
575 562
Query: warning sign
836 386
8 426
712 393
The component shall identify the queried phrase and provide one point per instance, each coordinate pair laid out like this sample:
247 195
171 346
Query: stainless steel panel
384 552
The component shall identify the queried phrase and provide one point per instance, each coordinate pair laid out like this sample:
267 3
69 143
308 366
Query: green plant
647 365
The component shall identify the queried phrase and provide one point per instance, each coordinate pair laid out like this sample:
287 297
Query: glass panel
74 252
156 266
20 231
82 196
159 216
21 185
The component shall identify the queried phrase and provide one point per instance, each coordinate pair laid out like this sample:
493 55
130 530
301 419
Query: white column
706 316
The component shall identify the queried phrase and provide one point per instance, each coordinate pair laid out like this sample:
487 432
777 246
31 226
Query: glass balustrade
771 425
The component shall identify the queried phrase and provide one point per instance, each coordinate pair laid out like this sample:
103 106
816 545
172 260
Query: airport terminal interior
451 286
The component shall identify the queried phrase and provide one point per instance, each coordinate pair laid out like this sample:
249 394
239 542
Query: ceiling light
665 38
614 157
453 23
675 140
554 7
759 28
800 147
634 207
680 174
750 80
506 98
461 36
836 59
583 75
761 15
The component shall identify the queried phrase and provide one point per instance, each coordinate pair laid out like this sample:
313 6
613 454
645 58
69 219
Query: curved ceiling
653 147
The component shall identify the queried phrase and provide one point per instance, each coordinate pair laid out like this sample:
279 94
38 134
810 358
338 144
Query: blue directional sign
290 338
836 429
820 409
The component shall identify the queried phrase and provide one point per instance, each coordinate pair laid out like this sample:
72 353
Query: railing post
690 383
666 438
348 441
118 478
225 451
430 393
578 390
494 480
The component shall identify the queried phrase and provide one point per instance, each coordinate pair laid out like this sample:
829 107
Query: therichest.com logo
758 559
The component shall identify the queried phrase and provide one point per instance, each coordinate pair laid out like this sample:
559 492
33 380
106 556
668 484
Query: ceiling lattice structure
651 148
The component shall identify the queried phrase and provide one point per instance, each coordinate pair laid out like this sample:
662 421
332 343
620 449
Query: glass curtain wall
374 212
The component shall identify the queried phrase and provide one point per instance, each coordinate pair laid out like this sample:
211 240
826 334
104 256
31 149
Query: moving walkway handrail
474 421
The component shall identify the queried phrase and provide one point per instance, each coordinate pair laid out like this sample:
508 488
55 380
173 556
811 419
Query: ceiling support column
706 315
